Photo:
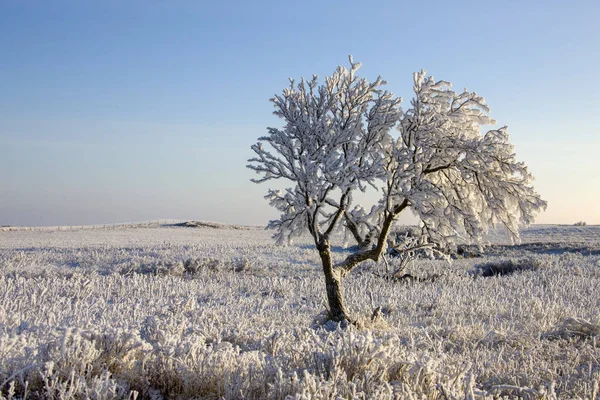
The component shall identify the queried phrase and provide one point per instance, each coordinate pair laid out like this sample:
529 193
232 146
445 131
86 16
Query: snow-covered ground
177 312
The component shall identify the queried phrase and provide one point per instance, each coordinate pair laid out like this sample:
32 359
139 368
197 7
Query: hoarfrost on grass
222 313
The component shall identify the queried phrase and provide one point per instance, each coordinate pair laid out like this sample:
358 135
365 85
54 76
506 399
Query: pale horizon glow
117 112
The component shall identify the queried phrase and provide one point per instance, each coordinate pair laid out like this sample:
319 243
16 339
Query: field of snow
220 312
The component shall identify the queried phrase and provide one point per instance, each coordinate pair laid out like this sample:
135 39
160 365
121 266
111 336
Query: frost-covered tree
337 139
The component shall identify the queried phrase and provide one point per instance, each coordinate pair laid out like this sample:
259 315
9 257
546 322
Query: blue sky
115 111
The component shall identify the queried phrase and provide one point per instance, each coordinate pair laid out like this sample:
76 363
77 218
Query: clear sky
117 111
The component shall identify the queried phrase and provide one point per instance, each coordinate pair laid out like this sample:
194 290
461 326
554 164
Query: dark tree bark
333 285
335 273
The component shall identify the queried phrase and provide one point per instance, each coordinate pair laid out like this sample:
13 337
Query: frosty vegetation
175 312
337 138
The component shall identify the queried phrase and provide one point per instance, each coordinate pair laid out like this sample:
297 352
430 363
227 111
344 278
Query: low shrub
507 267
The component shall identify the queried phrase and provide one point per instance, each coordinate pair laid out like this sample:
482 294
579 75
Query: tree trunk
333 286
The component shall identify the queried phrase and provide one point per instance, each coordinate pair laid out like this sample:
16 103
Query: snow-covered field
176 312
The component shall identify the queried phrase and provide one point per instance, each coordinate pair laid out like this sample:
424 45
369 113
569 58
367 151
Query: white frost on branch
458 180
332 143
337 139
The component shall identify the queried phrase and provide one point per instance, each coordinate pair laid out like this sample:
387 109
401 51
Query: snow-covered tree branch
337 139
458 180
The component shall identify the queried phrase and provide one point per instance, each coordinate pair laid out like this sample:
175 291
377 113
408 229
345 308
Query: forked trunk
333 286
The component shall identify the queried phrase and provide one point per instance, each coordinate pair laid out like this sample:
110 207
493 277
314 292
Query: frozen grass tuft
574 328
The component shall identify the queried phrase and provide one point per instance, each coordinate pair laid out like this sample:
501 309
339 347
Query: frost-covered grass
223 313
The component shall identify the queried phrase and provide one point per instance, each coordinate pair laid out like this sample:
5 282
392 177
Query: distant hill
214 225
